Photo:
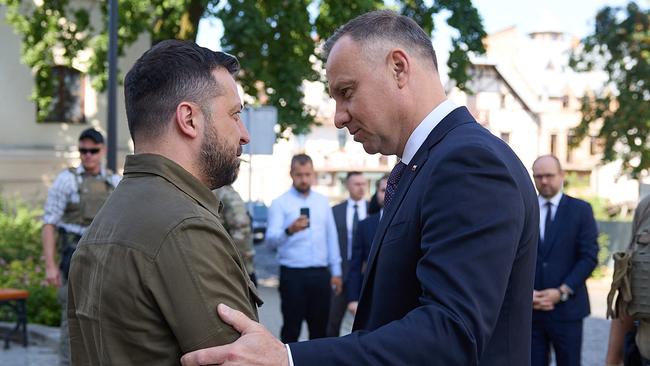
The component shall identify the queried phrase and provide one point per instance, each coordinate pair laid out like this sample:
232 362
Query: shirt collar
420 134
555 200
359 203
175 174
299 194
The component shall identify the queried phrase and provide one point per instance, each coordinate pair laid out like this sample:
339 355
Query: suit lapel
457 117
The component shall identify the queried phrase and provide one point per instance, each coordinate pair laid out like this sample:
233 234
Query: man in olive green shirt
148 274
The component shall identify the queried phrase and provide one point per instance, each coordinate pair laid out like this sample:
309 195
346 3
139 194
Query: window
565 102
505 136
595 145
68 100
553 144
570 140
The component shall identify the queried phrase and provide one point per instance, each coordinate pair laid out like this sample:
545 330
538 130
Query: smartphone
304 211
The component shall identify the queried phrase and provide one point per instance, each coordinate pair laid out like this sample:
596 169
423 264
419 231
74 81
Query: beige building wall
525 93
31 153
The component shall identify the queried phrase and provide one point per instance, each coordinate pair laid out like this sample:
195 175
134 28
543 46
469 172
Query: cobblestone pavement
43 352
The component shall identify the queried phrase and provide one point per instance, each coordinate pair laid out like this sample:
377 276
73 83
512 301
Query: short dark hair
385 25
350 174
169 73
301 159
383 177
92 134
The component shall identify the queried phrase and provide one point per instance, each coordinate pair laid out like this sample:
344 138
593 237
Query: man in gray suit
347 215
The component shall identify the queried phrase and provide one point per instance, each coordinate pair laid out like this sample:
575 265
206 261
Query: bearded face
219 162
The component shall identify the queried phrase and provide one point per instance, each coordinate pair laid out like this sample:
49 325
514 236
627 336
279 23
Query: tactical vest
93 192
632 277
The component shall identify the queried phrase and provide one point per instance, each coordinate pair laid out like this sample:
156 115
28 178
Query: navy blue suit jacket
568 255
450 275
339 212
360 251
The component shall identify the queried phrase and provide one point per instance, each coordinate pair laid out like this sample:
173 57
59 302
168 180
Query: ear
400 65
186 119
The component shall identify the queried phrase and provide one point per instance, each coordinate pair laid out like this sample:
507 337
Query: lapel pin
414 167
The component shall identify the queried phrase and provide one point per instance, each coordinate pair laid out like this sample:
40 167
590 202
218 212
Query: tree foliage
620 46
58 32
276 40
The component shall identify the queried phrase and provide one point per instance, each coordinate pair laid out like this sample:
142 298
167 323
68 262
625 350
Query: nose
341 116
244 136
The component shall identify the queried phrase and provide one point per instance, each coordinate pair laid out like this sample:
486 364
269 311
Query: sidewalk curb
41 335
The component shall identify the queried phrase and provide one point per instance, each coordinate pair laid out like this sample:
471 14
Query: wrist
288 232
564 295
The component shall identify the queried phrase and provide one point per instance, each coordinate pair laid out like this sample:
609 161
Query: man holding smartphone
301 226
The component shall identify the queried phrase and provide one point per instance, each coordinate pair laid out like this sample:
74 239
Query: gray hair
385 25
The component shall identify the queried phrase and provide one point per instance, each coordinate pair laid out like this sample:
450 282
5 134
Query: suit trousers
564 337
304 295
338 308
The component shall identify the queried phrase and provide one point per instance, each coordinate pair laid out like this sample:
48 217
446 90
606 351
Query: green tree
620 46
276 39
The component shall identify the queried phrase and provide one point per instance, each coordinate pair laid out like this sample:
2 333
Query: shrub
603 256
21 265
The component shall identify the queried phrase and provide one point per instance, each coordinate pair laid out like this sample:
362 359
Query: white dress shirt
420 134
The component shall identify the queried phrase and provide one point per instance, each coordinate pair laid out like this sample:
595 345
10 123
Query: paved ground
42 351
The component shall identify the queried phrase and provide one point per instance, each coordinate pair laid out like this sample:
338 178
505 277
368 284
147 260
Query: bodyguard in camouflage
235 218
73 200
148 274
630 310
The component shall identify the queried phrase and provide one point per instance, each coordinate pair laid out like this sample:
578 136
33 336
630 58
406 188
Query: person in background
72 202
566 255
347 216
301 227
634 352
235 218
361 249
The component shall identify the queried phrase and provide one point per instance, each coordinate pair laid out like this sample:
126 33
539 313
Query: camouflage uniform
235 218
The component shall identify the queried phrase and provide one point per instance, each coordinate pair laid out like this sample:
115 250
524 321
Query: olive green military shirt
148 274
234 217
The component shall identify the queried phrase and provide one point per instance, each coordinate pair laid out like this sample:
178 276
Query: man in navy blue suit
347 217
450 272
361 249
567 254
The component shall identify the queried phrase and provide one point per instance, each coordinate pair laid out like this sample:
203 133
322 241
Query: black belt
285 268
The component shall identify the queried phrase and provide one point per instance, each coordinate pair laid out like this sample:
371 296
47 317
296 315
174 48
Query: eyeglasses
542 176
84 151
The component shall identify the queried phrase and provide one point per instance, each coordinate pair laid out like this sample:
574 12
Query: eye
346 92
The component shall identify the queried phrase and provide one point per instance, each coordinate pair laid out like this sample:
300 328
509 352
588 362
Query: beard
219 165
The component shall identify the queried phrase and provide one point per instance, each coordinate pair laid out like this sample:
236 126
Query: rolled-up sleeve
57 198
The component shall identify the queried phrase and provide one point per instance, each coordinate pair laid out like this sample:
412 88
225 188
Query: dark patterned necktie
355 223
547 221
393 180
